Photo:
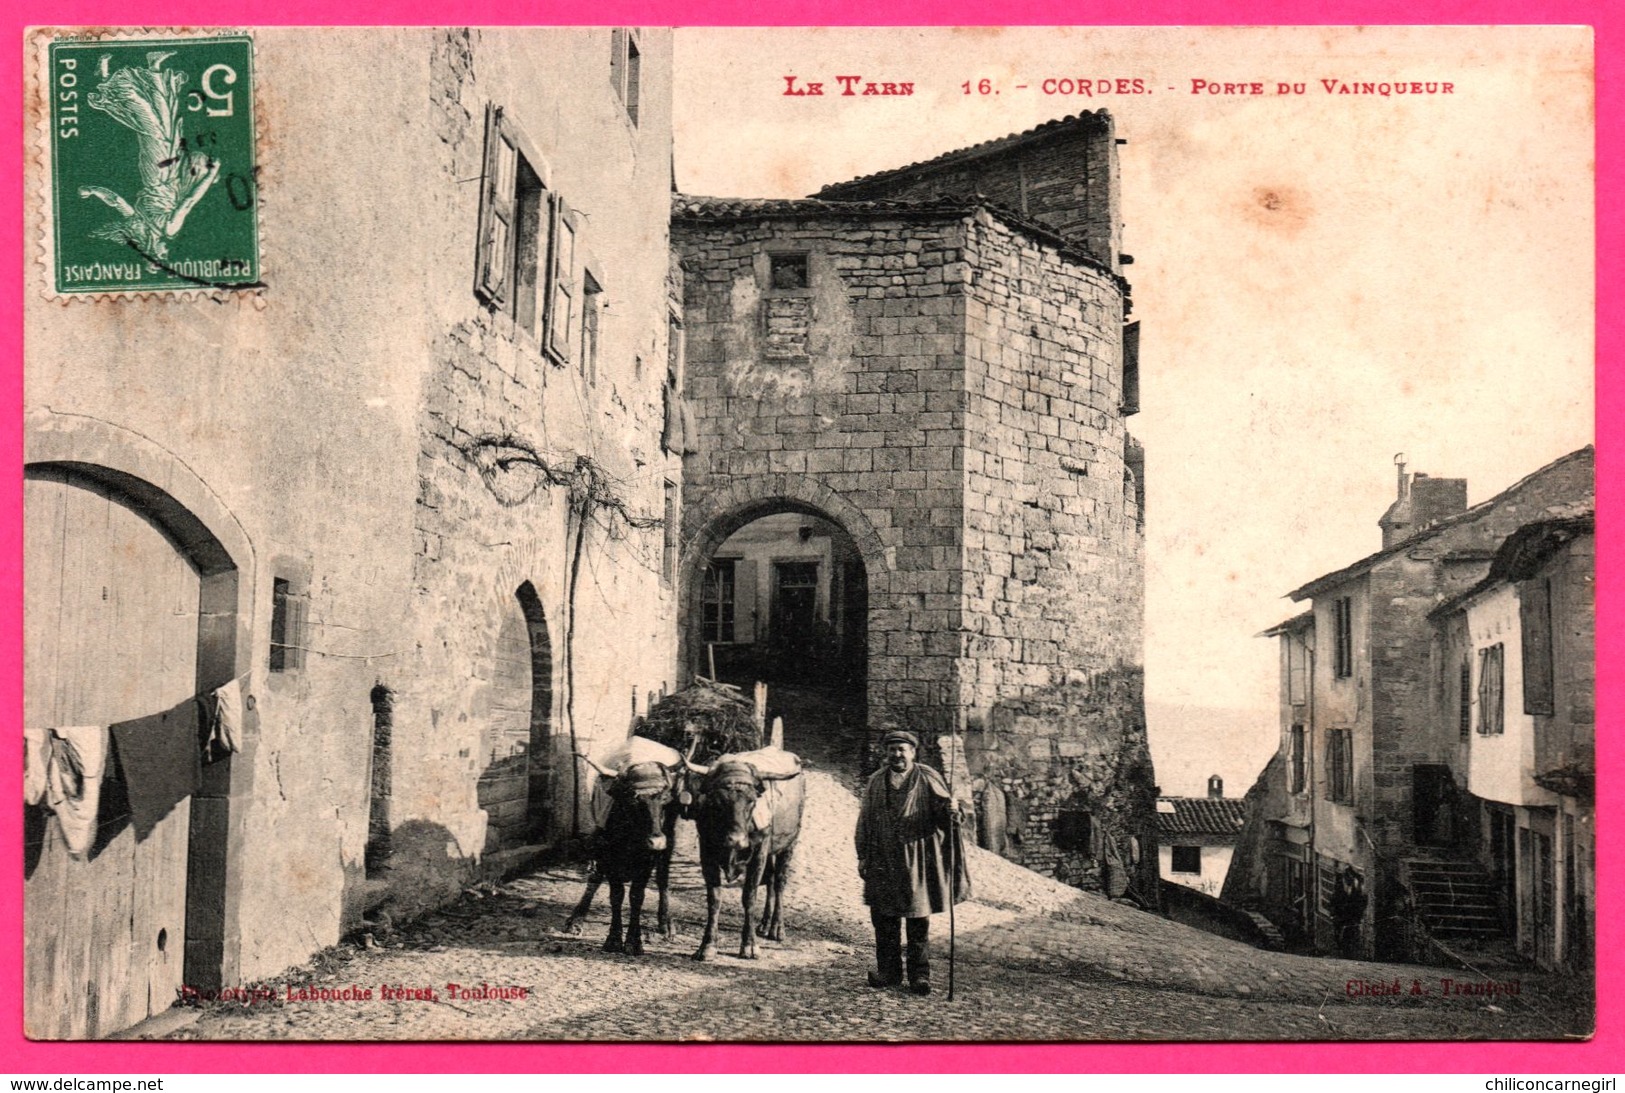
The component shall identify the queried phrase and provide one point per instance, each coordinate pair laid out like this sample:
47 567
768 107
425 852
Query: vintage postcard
1061 534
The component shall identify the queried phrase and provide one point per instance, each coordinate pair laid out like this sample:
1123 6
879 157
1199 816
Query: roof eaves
1054 127
1467 516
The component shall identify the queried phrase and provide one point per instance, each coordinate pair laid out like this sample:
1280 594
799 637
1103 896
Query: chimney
1420 502
1215 786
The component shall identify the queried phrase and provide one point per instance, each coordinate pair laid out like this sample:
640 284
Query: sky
1323 280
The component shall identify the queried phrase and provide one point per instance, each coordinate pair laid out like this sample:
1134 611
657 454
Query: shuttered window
1343 637
523 267
1491 690
1340 766
1464 698
626 69
495 257
1299 779
1535 615
561 309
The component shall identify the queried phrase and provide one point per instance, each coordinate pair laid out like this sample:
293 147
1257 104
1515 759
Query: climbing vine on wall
514 471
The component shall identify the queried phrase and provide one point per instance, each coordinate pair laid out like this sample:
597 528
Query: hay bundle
712 718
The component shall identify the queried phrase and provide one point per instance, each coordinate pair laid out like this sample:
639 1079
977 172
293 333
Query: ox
748 820
636 840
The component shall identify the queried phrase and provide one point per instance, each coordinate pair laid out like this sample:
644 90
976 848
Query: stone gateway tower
937 361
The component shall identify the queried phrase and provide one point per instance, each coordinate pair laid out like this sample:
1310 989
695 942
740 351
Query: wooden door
111 634
504 780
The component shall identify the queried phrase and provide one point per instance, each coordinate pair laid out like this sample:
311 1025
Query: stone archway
516 787
172 572
857 579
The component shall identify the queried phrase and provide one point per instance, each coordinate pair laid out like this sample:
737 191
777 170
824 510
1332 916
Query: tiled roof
1201 815
1525 551
1296 622
750 208
977 151
1321 584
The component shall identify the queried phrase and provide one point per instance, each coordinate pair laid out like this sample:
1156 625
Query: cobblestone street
1036 961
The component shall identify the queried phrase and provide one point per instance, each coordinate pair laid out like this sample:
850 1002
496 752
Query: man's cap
899 736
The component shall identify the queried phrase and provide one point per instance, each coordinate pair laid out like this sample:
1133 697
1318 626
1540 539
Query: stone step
1487 915
1420 868
1273 938
1477 932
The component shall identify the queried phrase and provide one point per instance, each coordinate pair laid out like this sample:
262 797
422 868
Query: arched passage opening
516 787
779 591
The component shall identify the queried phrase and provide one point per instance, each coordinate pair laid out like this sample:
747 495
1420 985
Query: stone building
411 494
946 377
1516 673
1197 837
1370 773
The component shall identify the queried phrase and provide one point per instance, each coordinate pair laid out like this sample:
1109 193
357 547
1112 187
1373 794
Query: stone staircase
1454 899
1273 938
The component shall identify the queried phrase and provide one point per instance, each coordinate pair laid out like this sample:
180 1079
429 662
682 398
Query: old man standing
908 847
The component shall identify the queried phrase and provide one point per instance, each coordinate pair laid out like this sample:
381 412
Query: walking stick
953 848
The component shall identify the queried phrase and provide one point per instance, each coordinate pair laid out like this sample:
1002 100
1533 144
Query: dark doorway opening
784 600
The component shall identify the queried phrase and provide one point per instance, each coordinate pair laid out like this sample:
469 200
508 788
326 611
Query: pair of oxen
746 808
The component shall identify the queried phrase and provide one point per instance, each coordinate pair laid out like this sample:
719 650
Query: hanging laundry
230 708
73 782
691 432
161 762
36 757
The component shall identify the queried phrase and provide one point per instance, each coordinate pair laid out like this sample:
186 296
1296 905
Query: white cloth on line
73 782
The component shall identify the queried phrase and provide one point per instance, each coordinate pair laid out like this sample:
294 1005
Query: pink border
1599 1055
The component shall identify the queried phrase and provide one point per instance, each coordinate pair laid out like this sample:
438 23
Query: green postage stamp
153 173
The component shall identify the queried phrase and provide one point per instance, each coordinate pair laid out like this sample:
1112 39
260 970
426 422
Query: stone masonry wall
1064 176
864 425
1054 561
496 574
1404 588
1567 737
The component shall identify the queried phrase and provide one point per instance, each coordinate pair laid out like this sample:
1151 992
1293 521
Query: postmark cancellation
150 164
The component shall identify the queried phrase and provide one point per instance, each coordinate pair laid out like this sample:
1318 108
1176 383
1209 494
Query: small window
1343 637
626 69
1131 368
668 559
1299 764
1074 831
1187 859
1340 766
1297 665
590 293
1491 690
287 627
787 271
717 601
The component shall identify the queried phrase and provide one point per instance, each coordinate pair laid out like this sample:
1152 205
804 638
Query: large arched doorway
130 611
516 787
781 596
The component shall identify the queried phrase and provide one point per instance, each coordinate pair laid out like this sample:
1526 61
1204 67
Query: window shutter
561 302
1535 615
494 256
617 62
1131 368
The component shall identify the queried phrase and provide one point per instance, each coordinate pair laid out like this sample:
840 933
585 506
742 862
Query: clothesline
159 755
